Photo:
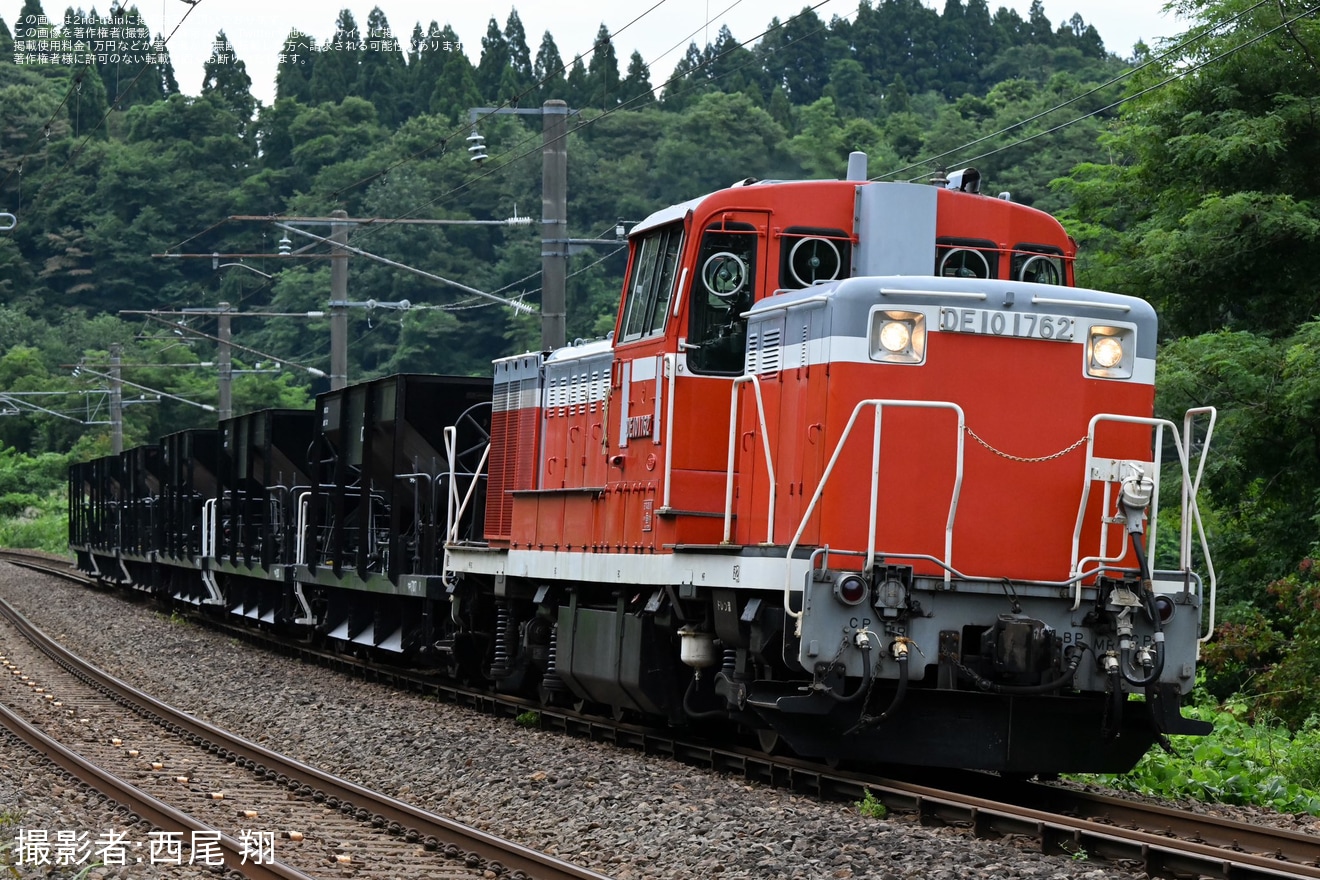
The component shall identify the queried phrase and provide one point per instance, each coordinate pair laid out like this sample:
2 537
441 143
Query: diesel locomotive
859 473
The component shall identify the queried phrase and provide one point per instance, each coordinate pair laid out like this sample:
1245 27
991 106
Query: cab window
651 284
724 288
966 258
1039 264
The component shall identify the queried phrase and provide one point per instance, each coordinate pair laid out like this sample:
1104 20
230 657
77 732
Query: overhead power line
1182 74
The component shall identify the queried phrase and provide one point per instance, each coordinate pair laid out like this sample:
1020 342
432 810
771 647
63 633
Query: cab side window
724 288
651 282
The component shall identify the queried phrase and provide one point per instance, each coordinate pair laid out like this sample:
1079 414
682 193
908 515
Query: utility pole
554 209
338 299
554 224
226 365
116 401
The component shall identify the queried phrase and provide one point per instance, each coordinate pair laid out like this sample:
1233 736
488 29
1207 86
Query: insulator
500 668
551 680
730 659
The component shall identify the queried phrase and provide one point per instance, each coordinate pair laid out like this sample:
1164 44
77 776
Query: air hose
865 686
1153 668
868 721
1074 653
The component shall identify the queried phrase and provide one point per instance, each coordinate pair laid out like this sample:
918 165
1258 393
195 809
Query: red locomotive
860 469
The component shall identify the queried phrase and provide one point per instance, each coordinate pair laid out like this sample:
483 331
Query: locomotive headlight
1107 352
898 337
1110 352
895 336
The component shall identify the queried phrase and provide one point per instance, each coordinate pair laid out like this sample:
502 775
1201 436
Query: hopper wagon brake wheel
472 435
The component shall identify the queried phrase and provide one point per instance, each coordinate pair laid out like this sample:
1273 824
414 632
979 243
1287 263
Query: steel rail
1163 839
157 812
386 811
1063 821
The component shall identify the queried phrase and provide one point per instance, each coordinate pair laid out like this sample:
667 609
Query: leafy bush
17 503
1270 655
32 473
1238 763
48 531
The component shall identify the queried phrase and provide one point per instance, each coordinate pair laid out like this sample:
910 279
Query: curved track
225 773
1150 837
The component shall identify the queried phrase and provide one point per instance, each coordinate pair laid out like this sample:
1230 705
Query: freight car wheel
771 742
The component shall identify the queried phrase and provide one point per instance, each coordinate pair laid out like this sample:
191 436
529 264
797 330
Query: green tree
687 81
88 105
382 74
796 54
635 91
603 73
426 64
522 79
293 76
456 90
719 140
336 69
729 66
1210 202
548 70
226 82
495 59
6 43
577 84
129 78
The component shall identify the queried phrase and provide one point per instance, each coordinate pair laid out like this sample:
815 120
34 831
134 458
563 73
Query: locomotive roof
682 209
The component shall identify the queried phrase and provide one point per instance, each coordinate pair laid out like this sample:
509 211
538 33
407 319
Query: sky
256 28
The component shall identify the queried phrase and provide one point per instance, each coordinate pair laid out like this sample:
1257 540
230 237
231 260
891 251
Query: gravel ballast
613 810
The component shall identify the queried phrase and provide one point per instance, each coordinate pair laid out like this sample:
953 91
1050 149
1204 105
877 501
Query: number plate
992 322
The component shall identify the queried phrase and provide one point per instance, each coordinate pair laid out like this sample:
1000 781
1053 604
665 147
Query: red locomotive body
836 421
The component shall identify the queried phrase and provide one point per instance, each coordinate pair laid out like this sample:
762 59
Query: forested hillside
382 134
1185 170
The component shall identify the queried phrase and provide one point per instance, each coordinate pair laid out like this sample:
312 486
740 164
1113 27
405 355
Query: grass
10 819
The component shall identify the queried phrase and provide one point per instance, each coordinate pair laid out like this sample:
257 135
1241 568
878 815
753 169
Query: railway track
189 778
1142 836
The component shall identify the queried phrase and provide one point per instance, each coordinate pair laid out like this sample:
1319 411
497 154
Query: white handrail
300 523
875 479
1191 505
670 366
210 529
455 508
1190 510
733 449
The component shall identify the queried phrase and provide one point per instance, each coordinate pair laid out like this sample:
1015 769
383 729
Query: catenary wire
592 121
1128 73
1174 78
